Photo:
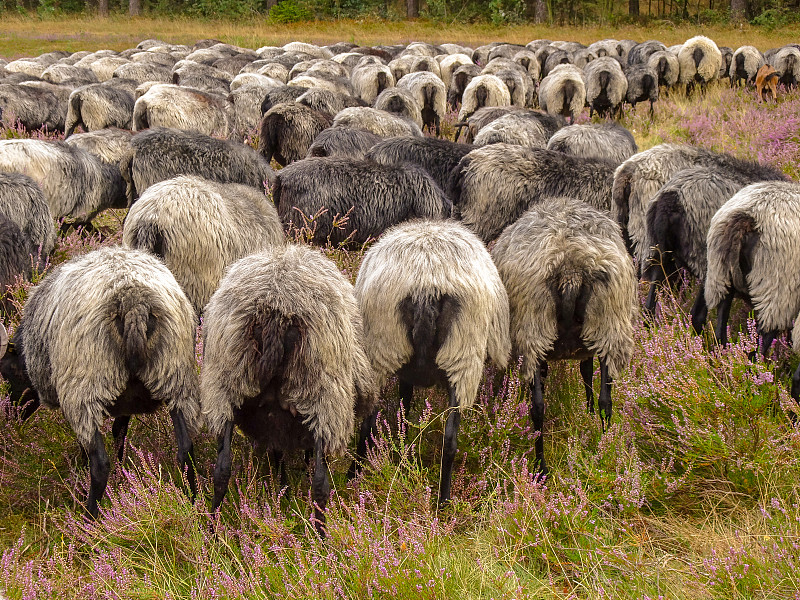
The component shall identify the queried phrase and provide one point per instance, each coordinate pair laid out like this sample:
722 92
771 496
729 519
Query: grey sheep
343 142
58 73
459 82
144 72
641 53
513 128
678 219
327 101
606 87
520 86
609 141
555 59
158 154
400 101
109 145
246 101
746 62
287 131
15 265
177 107
483 90
572 295
727 58
431 95
787 63
643 85
700 61
433 308
34 108
437 157
109 333
75 183
279 95
364 197
284 362
666 66
200 227
484 116
378 122
494 185
563 92
371 79
753 251
24 204
99 106
637 180
449 64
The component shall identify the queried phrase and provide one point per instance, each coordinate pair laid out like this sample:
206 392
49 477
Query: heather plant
691 493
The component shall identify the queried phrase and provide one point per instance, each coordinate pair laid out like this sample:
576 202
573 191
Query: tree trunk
271 3
633 8
738 10
102 8
412 7
134 7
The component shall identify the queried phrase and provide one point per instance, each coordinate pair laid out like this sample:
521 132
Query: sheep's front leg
604 402
99 468
587 374
406 395
321 488
723 315
222 470
185 449
537 417
450 446
120 430
699 312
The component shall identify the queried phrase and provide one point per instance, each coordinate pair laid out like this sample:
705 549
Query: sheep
158 154
341 142
787 63
104 66
372 197
437 157
261 81
642 85
666 66
15 263
678 219
75 183
462 77
563 92
484 116
400 101
327 102
58 73
232 65
606 86
287 130
433 308
166 105
527 59
572 295
449 63
767 83
700 62
337 85
727 58
110 333
199 227
246 101
746 62
583 58
378 122
284 361
99 106
513 128
752 251
609 141
637 180
641 53
274 71
201 77
109 145
34 108
23 203
279 95
607 47
431 95
370 79
143 72
308 49
518 83
493 185
483 90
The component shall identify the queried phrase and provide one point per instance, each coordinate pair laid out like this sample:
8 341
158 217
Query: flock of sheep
294 354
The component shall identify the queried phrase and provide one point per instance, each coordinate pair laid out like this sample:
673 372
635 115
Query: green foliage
234 9
506 12
290 11
771 19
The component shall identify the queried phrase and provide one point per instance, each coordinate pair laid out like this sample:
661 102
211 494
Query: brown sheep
767 83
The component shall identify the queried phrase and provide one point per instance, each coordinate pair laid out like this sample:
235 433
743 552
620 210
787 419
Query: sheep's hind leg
604 402
587 373
699 312
185 449
537 417
723 315
765 339
321 488
222 470
450 445
366 431
99 468
120 430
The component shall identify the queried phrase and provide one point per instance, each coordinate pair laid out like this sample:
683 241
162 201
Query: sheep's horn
3 340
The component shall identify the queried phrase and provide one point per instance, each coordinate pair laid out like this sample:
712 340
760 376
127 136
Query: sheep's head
12 368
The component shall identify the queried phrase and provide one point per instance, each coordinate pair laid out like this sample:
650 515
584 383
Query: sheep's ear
3 340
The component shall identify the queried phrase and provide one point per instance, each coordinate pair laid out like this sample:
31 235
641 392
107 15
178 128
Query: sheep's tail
428 320
730 245
126 170
140 122
149 236
73 115
570 290
660 217
276 338
135 321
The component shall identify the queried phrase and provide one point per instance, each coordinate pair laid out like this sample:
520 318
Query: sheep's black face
12 368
